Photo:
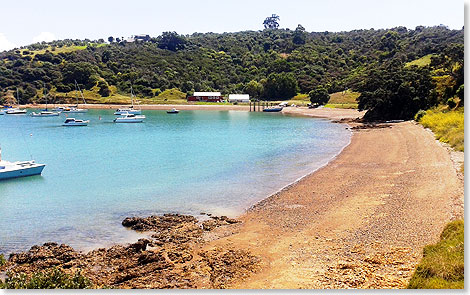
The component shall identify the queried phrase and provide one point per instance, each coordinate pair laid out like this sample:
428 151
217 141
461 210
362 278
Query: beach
361 221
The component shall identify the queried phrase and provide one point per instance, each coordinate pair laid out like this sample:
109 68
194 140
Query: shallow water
218 162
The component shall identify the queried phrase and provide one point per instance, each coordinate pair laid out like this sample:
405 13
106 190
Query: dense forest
269 64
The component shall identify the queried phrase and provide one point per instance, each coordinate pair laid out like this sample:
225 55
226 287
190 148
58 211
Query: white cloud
5 44
44 36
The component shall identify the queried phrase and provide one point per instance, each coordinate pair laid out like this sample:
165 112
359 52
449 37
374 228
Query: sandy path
361 221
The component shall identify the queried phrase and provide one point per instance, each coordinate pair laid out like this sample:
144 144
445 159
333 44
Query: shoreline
365 231
326 113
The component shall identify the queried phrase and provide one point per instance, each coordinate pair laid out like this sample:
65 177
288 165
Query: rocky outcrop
171 258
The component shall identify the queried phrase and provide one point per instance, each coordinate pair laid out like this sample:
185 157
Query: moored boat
75 108
75 122
173 111
19 169
273 109
130 109
17 110
129 118
44 114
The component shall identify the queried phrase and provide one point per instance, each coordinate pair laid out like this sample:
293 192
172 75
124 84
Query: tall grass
442 266
448 126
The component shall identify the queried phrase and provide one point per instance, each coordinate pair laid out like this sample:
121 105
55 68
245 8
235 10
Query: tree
271 22
396 92
319 96
104 88
280 86
171 41
254 89
110 39
299 35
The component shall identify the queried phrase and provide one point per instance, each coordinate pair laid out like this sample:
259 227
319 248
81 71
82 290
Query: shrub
448 126
52 279
419 115
451 103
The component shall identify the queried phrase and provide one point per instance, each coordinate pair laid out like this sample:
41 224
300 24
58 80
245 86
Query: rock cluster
172 258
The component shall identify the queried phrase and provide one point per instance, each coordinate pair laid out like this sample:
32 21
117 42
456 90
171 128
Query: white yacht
75 122
15 111
130 109
45 112
75 108
129 118
19 169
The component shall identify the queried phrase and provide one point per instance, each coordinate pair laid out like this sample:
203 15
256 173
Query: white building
239 98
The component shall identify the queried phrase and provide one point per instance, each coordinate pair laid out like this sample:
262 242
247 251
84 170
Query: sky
25 22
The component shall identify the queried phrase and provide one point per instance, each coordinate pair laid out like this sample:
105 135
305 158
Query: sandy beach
359 222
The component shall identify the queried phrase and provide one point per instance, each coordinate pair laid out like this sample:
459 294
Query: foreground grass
52 279
448 126
442 266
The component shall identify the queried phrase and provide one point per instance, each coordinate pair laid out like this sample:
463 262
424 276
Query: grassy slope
343 100
57 50
421 62
442 266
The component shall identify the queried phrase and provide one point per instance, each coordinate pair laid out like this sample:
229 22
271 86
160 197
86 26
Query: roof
207 94
239 96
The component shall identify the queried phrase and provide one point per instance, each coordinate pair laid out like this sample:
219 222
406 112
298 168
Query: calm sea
218 162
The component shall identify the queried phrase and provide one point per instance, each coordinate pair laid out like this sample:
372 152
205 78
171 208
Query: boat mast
45 95
81 93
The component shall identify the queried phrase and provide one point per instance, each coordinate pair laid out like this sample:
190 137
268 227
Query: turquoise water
218 162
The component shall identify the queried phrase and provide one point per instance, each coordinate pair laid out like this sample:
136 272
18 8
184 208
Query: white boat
129 118
15 111
173 111
19 169
58 109
45 112
273 109
130 109
75 109
75 122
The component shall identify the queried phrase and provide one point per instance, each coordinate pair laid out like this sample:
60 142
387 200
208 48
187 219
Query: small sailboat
130 109
75 109
45 112
75 122
129 118
19 169
173 111
17 110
